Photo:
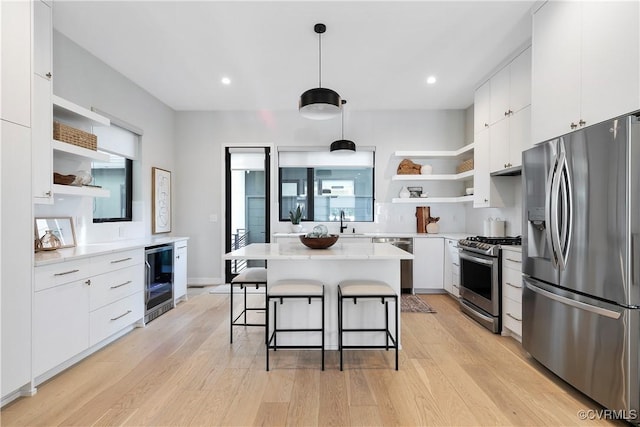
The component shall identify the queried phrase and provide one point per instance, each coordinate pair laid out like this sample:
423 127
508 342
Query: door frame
226 202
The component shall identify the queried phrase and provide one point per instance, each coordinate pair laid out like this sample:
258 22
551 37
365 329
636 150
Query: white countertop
452 235
293 251
93 249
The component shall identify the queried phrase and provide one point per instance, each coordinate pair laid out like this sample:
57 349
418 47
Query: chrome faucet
342 224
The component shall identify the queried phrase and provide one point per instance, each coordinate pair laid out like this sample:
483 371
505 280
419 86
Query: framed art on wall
160 200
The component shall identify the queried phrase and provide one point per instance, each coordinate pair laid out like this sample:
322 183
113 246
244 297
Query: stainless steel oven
480 279
480 288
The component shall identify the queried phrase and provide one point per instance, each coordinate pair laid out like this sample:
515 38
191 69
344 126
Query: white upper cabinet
42 43
15 62
500 106
589 52
511 88
610 60
482 107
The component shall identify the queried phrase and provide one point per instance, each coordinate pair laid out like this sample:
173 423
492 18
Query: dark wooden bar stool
352 290
292 289
249 277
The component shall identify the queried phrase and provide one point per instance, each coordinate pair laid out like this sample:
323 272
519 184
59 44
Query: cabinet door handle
48 193
573 125
88 282
514 260
121 285
457 265
486 125
177 256
182 247
49 75
514 317
582 122
456 286
120 260
513 286
64 273
129 311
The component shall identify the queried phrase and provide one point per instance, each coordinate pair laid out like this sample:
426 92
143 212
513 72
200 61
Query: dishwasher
406 265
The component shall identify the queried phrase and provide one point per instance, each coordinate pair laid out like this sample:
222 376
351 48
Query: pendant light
319 103
343 144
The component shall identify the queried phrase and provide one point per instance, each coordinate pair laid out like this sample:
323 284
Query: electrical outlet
213 218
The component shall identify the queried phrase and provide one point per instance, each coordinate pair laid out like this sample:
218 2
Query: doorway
247 200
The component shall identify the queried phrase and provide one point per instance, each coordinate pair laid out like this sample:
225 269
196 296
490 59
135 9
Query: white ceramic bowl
469 191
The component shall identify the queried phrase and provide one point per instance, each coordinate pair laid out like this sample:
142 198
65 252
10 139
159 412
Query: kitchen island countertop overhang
363 261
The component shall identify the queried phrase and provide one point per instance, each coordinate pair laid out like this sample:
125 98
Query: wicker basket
68 134
467 165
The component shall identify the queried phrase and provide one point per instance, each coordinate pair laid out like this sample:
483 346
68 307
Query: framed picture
160 201
61 227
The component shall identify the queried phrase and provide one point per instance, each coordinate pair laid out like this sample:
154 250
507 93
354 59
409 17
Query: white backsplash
511 215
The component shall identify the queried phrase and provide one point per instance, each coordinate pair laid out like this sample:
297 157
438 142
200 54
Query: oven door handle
465 255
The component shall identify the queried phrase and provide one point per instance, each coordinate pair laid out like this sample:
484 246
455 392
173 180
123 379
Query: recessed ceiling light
431 80
226 81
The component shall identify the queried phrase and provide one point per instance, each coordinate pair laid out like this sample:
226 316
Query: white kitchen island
376 261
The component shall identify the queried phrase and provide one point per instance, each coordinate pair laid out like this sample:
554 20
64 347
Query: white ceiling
376 55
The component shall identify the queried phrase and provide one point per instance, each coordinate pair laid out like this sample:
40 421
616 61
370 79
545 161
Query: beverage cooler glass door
159 276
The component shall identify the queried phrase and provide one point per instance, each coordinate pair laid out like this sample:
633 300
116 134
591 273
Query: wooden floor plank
181 370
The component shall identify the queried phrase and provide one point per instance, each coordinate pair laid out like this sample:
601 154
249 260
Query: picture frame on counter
60 227
160 200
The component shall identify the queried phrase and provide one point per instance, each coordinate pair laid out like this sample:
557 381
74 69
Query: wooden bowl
319 242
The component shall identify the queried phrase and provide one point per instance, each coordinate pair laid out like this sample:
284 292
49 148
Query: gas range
487 245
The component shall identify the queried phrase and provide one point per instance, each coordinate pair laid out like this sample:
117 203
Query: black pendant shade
344 145
320 103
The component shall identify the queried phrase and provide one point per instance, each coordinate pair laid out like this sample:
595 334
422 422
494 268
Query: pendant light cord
319 59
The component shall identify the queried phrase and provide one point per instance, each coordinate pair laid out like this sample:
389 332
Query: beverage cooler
159 281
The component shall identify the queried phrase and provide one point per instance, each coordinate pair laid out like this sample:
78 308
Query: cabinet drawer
512 315
117 260
48 276
112 318
109 287
512 284
512 260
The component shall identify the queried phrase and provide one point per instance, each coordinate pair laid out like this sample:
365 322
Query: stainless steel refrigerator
581 260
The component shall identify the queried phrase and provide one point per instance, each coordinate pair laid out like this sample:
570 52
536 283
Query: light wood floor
181 370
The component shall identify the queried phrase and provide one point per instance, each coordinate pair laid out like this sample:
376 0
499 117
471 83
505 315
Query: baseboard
203 281
429 291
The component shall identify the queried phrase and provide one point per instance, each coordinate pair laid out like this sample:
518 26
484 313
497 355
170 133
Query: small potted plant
296 217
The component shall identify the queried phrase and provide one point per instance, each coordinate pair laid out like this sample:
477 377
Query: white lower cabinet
81 303
180 270
451 267
61 324
512 293
428 264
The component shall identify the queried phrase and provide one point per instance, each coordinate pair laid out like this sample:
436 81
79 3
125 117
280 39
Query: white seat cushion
251 275
354 288
296 287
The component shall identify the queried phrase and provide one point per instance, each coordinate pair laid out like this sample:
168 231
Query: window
116 176
326 184
120 141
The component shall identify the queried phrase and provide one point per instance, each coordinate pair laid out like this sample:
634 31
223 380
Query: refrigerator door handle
564 234
577 304
555 200
548 209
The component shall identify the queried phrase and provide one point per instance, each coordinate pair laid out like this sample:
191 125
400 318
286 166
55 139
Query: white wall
201 137
87 81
